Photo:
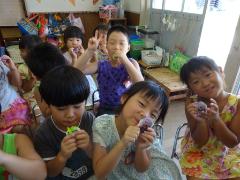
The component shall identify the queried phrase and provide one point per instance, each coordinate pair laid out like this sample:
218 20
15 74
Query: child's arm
104 162
132 67
142 154
83 62
28 164
198 126
13 75
55 166
27 84
229 136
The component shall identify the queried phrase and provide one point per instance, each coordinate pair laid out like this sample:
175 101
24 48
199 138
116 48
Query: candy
115 57
72 129
145 123
201 106
76 50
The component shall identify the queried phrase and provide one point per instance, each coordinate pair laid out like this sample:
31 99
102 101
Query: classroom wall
186 35
233 61
133 5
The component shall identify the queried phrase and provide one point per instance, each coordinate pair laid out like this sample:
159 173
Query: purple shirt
111 83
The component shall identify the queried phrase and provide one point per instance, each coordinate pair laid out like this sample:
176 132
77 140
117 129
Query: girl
120 150
210 148
73 41
19 159
15 111
114 74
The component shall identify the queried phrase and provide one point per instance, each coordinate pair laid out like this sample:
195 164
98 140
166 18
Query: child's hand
130 135
119 56
192 110
72 53
68 146
93 42
82 139
213 111
8 62
146 138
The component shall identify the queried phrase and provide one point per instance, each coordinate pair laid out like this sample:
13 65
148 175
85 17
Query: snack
76 50
115 57
201 106
72 129
145 123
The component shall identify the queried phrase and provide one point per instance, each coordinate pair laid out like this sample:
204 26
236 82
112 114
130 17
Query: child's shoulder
103 121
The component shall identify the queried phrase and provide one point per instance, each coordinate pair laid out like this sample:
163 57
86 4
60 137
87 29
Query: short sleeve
97 133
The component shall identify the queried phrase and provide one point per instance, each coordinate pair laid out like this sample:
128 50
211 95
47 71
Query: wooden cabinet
113 21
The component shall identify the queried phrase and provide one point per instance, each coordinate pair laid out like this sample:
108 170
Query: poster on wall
48 6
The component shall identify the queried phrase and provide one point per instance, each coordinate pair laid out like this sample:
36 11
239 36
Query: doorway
218 29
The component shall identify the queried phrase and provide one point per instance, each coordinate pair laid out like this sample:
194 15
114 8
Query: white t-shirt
7 93
91 82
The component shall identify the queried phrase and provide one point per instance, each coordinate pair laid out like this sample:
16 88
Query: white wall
133 5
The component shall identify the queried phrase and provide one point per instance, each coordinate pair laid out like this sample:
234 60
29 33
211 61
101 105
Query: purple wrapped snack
145 123
76 50
201 106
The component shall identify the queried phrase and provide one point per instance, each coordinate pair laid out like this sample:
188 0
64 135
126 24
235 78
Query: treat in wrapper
76 50
72 129
201 106
115 57
145 123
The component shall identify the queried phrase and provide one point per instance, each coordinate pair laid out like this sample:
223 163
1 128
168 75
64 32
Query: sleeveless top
111 82
214 160
10 148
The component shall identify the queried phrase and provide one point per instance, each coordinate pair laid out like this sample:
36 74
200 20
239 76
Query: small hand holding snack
147 133
68 146
213 111
8 62
130 136
119 56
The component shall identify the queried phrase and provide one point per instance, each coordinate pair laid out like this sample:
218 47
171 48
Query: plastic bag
76 22
177 61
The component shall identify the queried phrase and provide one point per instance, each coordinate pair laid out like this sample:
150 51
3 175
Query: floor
174 118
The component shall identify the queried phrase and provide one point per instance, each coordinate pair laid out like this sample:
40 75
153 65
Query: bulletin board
48 6
10 12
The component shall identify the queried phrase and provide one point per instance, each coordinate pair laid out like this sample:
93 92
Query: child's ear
123 99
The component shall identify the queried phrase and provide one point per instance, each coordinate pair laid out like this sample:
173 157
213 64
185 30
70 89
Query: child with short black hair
210 146
114 74
73 38
68 156
40 60
121 149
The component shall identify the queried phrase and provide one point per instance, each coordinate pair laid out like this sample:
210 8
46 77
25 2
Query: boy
40 60
115 73
67 156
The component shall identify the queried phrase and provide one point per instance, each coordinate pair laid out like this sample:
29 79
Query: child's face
138 107
206 83
102 37
67 116
23 53
117 41
74 42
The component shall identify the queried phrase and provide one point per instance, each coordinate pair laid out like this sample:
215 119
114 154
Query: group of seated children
75 145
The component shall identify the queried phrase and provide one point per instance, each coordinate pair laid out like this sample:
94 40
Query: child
27 43
40 60
73 38
210 147
18 158
101 30
113 74
120 150
15 111
65 90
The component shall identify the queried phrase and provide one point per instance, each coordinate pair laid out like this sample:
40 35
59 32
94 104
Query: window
188 6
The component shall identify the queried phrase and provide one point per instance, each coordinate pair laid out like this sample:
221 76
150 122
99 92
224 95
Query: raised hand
192 110
68 146
131 134
94 42
146 139
8 62
213 111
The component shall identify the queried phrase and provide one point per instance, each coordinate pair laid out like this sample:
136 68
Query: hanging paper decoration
95 2
73 2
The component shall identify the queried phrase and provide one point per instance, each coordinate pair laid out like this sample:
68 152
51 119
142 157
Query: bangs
64 86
